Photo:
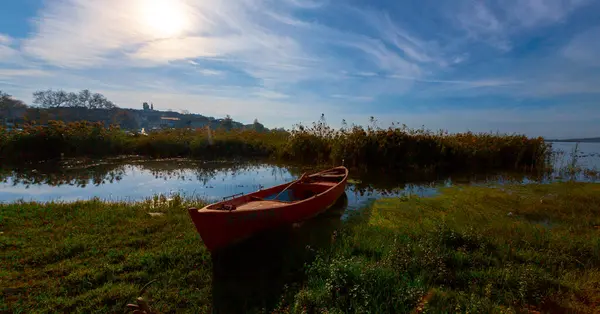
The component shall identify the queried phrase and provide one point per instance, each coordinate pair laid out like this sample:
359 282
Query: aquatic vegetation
392 149
401 148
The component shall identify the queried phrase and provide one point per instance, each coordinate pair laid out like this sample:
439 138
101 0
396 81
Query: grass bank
91 256
391 149
475 249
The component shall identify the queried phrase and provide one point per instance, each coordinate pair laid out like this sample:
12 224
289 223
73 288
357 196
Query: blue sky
526 66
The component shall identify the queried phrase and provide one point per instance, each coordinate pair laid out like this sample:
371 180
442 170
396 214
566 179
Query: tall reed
397 148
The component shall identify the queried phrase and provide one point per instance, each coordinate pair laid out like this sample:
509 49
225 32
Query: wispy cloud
529 13
412 47
466 83
6 51
584 49
23 72
307 4
352 97
270 94
482 24
495 21
208 72
5 39
348 57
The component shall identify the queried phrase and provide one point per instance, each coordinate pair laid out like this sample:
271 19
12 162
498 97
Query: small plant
142 306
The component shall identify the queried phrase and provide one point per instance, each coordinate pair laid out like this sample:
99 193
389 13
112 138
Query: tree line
60 98
61 101
57 99
8 104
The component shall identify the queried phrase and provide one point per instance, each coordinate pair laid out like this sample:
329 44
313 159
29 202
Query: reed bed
392 149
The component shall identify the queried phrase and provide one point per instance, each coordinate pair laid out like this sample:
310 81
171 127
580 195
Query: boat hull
220 225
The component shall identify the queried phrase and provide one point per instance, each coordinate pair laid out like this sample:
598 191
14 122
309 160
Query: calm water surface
132 180
587 154
138 180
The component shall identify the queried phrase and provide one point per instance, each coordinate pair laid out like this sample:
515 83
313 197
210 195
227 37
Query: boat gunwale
206 209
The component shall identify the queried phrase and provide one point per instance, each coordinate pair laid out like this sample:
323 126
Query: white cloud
496 21
352 97
307 4
413 47
23 72
528 13
254 56
258 37
585 48
174 49
481 23
384 58
490 82
7 53
5 39
208 72
270 94
91 33
366 74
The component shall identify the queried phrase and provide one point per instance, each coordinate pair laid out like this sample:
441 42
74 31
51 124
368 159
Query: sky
509 66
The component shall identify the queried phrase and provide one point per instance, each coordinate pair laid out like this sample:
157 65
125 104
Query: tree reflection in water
82 174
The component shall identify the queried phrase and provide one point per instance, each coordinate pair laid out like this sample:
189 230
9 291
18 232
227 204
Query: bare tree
59 98
10 105
51 99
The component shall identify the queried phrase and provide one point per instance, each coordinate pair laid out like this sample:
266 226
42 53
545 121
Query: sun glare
164 18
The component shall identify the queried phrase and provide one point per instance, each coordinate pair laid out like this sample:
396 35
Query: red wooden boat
229 221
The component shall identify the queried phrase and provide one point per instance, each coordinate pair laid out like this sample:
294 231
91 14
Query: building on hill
163 123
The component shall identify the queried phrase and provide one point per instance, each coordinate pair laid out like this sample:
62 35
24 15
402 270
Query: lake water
131 180
134 180
588 154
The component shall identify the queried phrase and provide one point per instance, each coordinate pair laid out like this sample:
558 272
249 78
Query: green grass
95 257
470 249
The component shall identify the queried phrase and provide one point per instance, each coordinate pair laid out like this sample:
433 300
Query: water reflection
132 180
137 179
252 274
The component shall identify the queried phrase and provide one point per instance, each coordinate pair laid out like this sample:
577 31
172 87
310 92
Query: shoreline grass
92 256
471 249
392 149
478 249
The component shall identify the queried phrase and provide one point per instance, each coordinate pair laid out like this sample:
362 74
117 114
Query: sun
164 18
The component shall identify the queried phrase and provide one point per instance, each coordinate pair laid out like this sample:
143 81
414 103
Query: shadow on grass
252 276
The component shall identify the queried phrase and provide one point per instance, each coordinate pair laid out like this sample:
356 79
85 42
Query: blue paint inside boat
286 196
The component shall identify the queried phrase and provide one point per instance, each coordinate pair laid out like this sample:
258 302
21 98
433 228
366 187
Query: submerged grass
392 149
471 249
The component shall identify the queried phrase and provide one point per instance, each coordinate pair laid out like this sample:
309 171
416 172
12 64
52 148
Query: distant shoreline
577 140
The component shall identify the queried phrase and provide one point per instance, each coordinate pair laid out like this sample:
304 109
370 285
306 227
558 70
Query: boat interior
305 187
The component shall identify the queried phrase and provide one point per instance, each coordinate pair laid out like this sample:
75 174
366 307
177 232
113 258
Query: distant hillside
130 119
66 106
581 140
